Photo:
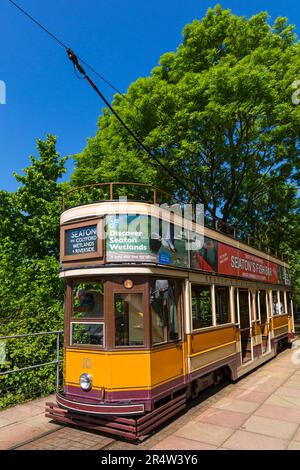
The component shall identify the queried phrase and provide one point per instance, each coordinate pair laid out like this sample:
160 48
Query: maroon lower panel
147 396
232 362
103 408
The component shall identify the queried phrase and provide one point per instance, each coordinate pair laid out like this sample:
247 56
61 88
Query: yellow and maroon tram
152 319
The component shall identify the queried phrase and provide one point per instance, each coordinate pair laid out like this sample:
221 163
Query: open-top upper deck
124 223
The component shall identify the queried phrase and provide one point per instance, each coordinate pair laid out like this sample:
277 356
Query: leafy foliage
31 293
217 112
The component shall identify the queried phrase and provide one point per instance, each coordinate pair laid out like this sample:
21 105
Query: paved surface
260 411
22 422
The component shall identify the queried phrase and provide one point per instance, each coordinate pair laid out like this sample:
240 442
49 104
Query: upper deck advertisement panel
136 239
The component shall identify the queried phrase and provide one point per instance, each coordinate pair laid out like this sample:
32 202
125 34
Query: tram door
245 325
129 309
167 328
264 320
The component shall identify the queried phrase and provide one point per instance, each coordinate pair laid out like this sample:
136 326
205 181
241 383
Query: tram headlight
86 382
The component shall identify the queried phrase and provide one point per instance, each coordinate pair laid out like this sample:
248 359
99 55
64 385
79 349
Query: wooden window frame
98 255
229 315
115 285
86 321
69 319
178 293
277 303
213 325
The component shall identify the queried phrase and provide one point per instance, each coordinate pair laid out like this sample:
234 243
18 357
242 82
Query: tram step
129 428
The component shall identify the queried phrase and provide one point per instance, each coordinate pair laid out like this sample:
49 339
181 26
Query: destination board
81 240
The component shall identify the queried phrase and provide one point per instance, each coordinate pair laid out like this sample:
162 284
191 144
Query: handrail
112 185
41 333
56 362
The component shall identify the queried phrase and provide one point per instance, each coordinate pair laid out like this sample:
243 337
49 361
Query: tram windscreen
88 300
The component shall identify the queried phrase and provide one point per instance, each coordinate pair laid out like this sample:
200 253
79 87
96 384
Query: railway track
73 438
66 438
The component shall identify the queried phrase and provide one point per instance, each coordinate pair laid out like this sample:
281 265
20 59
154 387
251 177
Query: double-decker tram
156 310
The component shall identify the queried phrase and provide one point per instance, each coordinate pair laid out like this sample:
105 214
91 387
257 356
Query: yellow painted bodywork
146 369
256 329
291 324
206 340
279 321
121 370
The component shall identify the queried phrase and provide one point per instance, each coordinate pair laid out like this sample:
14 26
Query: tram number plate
86 363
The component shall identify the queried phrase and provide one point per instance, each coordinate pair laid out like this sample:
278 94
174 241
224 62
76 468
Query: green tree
29 250
38 201
217 112
31 295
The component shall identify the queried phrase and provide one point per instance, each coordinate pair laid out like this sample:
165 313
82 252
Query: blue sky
122 40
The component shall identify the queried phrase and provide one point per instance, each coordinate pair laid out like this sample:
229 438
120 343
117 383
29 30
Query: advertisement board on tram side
235 262
141 239
206 257
239 263
137 238
220 258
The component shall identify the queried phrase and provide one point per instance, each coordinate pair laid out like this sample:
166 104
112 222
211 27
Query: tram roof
81 201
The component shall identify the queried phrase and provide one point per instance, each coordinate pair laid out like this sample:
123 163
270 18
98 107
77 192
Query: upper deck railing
140 192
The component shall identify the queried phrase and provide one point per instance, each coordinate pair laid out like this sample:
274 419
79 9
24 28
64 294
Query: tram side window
129 320
88 300
262 306
275 305
289 303
164 311
222 305
281 303
201 307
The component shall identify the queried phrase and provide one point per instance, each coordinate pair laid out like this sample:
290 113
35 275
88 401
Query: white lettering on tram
250 266
127 247
88 232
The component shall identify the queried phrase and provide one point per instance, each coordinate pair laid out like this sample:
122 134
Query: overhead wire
60 42
75 59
